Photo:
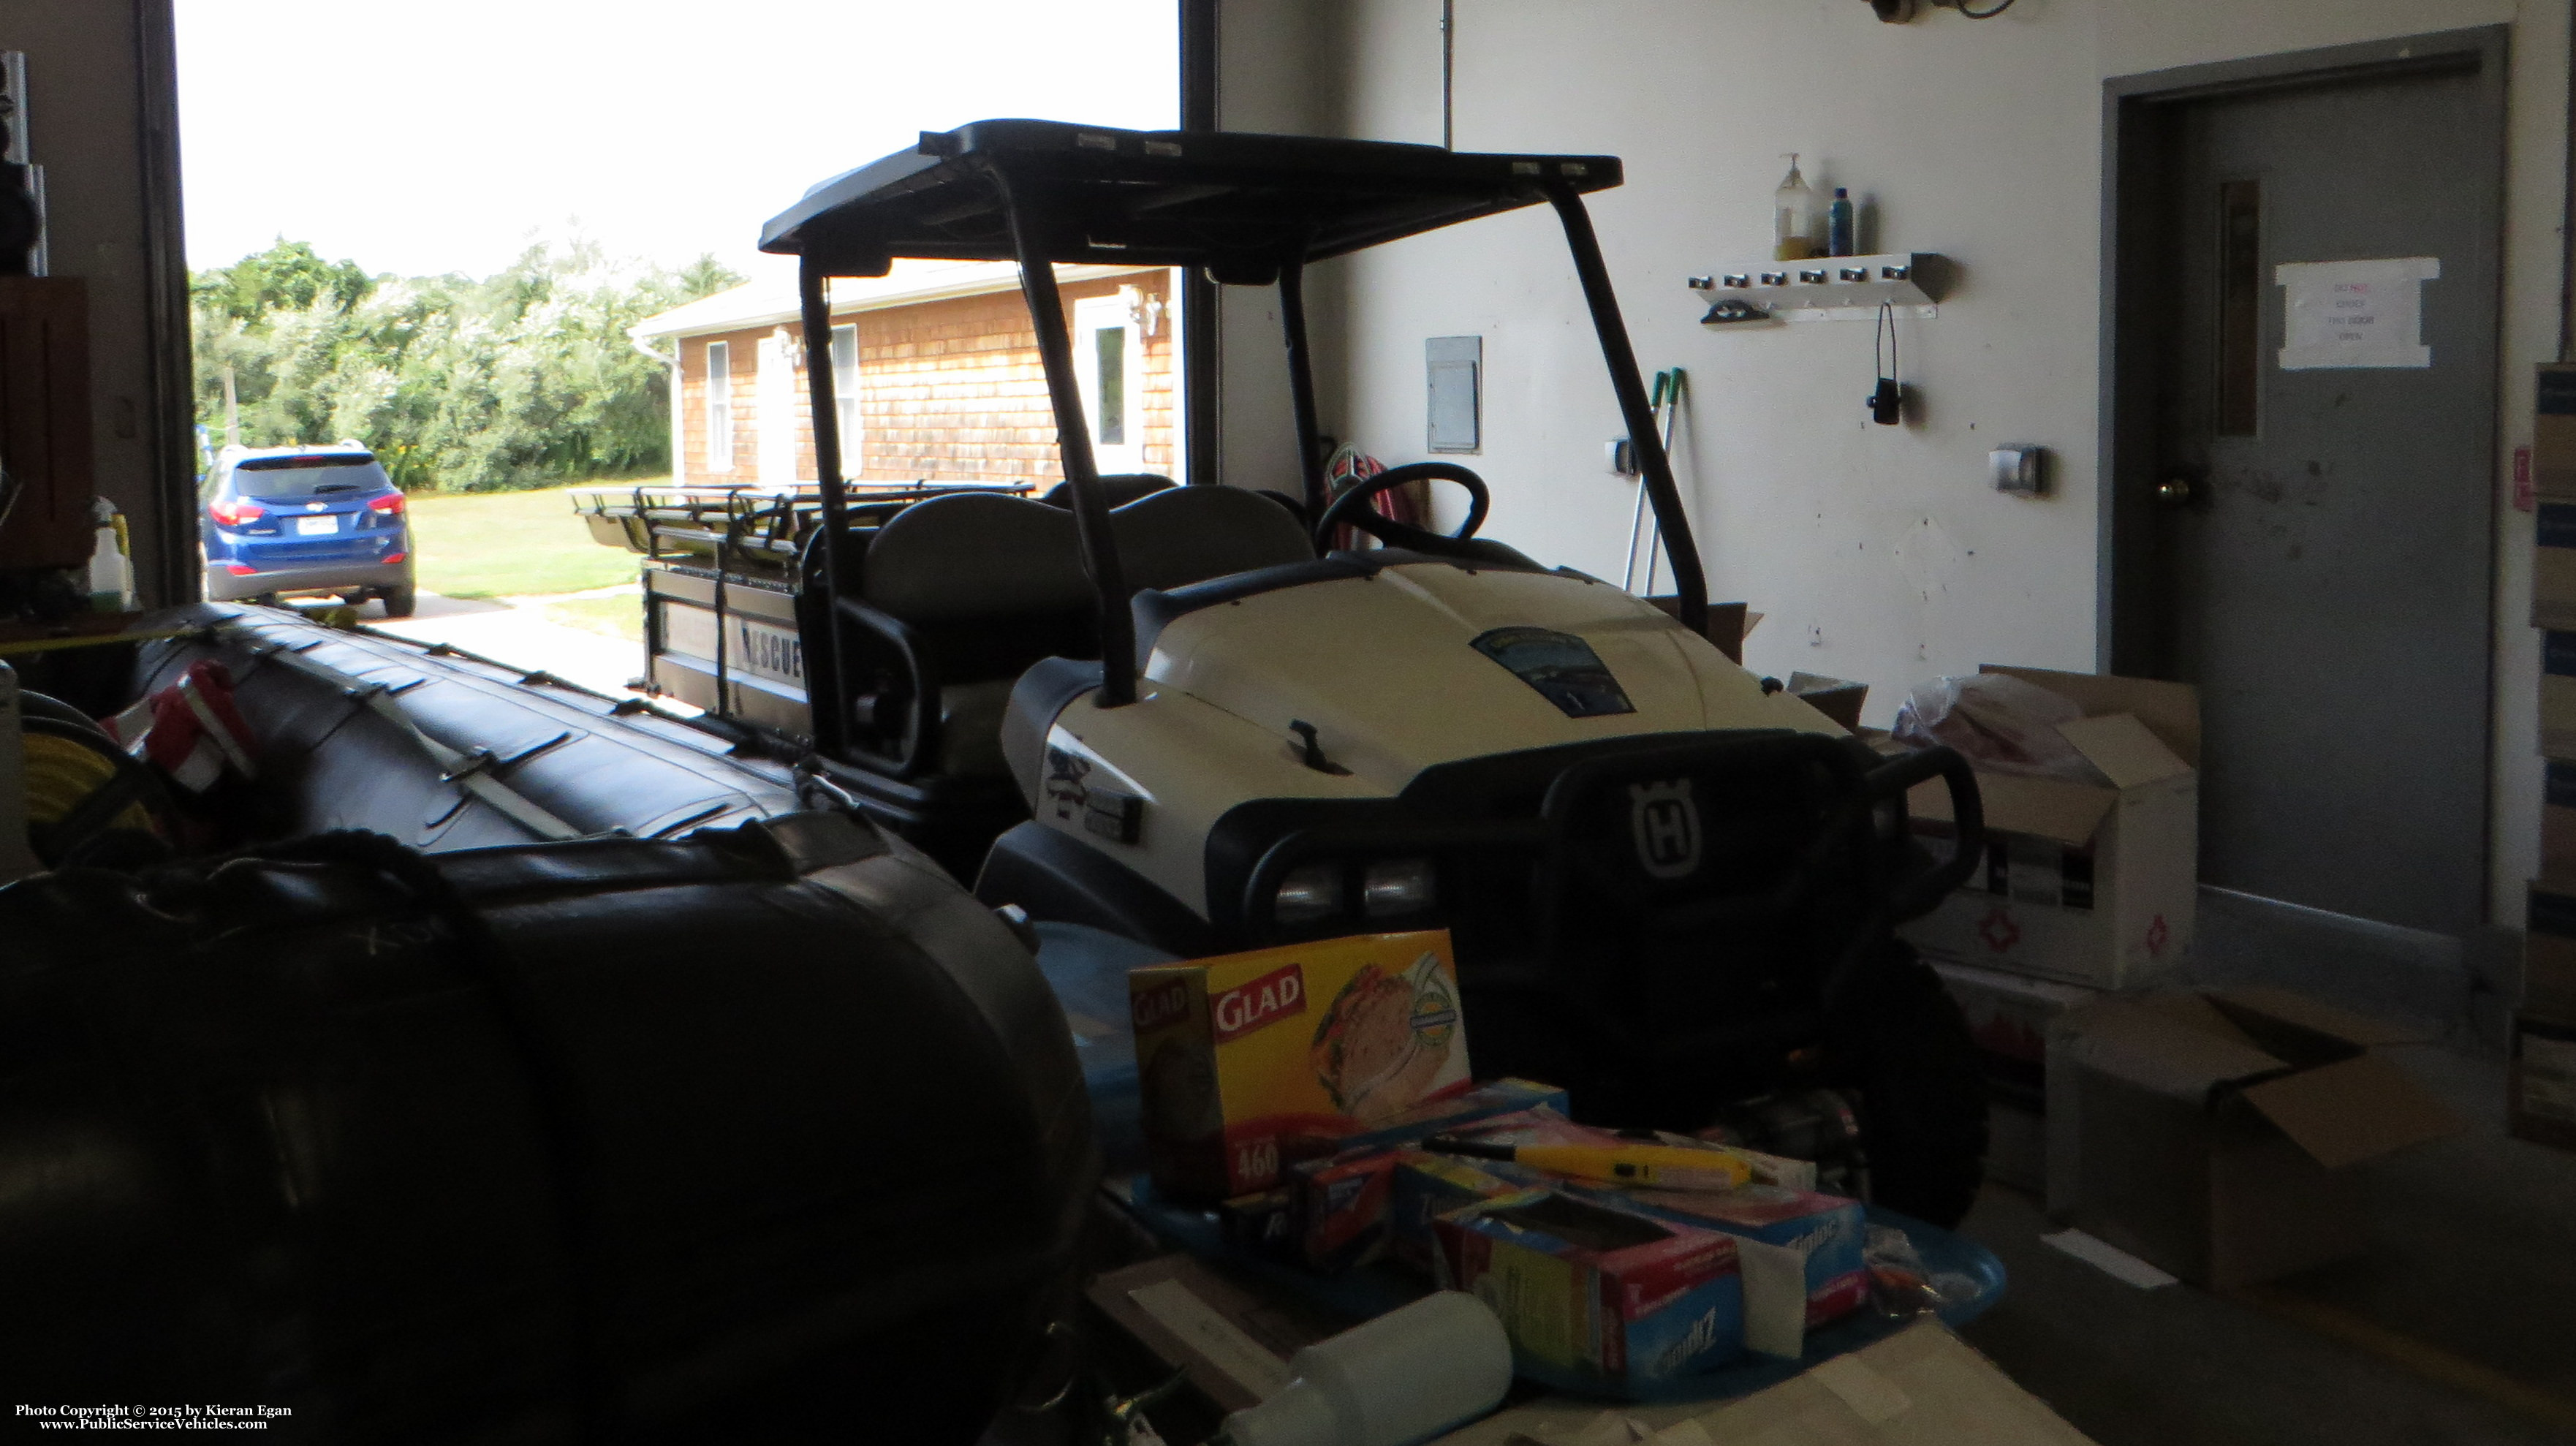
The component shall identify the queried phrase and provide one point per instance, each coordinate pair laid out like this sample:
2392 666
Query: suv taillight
234 513
390 503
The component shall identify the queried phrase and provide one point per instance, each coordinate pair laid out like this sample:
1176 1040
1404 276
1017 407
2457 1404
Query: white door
1109 357
777 410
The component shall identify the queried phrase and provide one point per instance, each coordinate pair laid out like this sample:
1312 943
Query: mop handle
1668 398
1637 515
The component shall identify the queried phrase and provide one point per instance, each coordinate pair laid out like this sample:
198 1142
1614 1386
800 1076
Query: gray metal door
2322 518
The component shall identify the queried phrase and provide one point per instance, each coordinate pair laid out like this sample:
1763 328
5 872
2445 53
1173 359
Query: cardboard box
1593 1293
2558 695
2549 951
1427 1186
1343 1201
1827 1234
2553 431
2216 1134
2543 1081
1922 1386
1249 1060
2009 1014
1233 1343
2092 884
2553 565
2558 824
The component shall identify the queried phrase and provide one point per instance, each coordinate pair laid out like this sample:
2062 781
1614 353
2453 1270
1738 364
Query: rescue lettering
1274 996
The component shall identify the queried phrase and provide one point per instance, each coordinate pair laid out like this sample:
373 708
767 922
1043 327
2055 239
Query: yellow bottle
1793 213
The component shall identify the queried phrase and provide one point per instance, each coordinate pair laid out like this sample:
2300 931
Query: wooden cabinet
45 420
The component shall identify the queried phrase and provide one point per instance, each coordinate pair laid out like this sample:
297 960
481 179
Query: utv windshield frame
1248 210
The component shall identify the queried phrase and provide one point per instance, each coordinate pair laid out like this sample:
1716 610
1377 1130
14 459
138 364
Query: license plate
313 526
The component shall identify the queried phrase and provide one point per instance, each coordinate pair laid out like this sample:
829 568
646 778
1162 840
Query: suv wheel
399 600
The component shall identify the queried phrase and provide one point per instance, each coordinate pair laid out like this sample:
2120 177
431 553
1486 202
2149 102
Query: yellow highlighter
1663 1167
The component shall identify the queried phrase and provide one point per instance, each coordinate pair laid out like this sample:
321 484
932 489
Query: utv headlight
1396 886
1311 892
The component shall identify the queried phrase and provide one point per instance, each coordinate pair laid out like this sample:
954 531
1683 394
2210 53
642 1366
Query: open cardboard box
2090 883
2218 1134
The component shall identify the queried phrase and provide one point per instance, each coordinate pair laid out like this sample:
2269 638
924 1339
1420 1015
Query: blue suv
306 520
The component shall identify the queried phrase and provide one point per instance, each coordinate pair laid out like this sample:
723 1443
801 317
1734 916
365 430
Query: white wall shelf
1825 288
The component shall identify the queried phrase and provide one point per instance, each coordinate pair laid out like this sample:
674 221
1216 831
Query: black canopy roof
1230 201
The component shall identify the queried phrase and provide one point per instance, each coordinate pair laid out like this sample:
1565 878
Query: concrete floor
2459 1328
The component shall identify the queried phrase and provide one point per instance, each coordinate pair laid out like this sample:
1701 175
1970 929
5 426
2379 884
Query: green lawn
510 544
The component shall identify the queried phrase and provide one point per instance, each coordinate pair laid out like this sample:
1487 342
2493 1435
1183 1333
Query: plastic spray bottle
1793 211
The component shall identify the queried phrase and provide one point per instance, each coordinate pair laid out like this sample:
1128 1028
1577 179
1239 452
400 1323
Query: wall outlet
2019 470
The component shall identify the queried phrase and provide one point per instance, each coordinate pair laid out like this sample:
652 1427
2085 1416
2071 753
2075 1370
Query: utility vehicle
1175 714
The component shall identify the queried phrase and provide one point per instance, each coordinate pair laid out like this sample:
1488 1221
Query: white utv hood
1388 671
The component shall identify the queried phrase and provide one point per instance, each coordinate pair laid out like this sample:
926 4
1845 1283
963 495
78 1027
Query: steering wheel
1352 509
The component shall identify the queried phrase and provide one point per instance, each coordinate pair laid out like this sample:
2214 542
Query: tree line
525 378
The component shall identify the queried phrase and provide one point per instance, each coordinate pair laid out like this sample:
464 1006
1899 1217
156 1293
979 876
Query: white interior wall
1277 73
1877 553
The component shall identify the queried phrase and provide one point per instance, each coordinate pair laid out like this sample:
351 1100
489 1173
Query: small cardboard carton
2093 884
1821 1240
1233 1343
1592 1293
2549 950
1427 1185
1250 1059
2543 1076
2553 565
2553 431
2558 822
2216 1133
2009 1015
1342 1202
2558 695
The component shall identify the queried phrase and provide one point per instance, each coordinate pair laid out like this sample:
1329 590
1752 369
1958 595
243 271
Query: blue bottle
1838 224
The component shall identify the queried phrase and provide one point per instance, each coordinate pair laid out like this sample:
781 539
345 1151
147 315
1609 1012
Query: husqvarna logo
1665 824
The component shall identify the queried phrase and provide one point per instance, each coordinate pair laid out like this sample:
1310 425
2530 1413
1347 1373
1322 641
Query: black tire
1906 1046
399 601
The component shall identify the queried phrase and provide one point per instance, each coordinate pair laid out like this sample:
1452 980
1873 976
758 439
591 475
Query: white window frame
1091 316
719 406
845 392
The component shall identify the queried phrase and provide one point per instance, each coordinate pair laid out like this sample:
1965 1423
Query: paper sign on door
2354 313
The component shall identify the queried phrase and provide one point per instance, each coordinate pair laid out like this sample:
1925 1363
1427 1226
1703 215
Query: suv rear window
289 478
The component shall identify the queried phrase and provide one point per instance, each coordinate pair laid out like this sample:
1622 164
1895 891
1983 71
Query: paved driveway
519 631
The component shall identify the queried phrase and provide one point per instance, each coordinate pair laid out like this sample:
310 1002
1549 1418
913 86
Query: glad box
2094 884
1250 1061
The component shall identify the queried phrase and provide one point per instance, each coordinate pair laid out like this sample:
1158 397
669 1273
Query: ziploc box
1343 1200
1248 1058
1588 1292
1828 1233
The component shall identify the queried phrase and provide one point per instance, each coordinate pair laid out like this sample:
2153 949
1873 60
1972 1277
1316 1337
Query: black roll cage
1247 210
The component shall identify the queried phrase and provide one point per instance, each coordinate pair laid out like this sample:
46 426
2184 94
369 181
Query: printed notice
2354 313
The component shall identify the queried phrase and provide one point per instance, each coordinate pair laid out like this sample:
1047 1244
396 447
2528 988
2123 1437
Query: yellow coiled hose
63 771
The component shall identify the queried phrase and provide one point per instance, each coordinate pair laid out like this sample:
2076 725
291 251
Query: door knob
2175 492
